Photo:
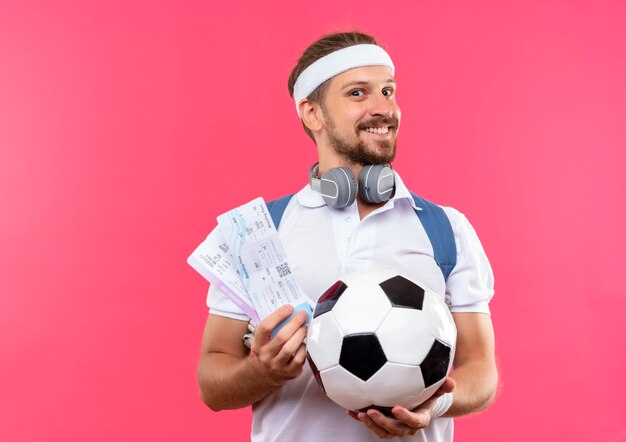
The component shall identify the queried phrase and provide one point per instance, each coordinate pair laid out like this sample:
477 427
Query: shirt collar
308 197
402 192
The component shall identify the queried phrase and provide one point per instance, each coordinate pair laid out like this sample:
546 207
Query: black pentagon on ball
316 372
329 298
362 355
435 365
384 410
403 293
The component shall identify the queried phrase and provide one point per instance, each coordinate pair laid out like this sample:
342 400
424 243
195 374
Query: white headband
336 63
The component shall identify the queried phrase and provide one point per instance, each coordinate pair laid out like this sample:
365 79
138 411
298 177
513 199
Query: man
345 94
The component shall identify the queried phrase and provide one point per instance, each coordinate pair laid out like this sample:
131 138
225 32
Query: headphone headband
314 181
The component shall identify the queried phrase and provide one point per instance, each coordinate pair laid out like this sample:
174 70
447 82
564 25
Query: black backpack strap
440 234
277 208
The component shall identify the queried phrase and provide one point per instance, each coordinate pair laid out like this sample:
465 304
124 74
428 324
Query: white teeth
377 130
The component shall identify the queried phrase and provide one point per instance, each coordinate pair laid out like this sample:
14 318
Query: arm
231 377
475 369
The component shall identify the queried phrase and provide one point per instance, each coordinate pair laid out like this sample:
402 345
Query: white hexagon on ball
361 308
443 326
324 340
344 388
396 384
402 344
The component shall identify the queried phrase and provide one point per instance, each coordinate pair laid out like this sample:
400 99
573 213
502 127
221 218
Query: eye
388 92
357 93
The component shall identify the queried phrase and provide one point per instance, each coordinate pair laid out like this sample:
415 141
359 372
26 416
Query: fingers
290 328
281 358
417 419
421 416
372 425
353 414
448 385
262 336
300 356
384 427
394 427
290 348
267 325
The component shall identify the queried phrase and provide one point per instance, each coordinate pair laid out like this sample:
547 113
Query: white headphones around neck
339 186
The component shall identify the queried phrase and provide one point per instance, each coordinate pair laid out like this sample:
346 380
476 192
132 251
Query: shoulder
455 216
459 222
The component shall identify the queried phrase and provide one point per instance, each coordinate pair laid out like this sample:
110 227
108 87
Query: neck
329 159
366 208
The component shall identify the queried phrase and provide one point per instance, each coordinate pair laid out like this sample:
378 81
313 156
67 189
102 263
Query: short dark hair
320 48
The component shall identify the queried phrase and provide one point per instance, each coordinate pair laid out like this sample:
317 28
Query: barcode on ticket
283 270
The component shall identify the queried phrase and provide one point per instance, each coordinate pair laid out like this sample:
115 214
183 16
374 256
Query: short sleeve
220 305
470 285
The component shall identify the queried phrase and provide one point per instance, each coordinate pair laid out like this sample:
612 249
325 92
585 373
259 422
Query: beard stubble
358 152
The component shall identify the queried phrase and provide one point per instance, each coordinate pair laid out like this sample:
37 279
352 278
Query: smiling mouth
380 126
377 130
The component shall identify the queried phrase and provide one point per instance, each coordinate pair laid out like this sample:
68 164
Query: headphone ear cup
376 183
338 187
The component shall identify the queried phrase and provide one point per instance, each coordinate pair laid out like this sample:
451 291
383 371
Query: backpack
432 217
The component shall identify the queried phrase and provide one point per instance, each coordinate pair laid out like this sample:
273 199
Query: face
360 115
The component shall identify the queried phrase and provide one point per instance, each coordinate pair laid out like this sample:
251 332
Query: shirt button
348 219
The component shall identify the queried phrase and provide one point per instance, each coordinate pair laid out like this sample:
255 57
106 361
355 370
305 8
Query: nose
383 105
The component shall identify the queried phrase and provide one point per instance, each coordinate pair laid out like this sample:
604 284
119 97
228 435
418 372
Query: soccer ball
378 339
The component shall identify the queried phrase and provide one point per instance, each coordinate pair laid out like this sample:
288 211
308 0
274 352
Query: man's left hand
404 422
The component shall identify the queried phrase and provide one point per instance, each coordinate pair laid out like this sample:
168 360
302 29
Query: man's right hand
280 358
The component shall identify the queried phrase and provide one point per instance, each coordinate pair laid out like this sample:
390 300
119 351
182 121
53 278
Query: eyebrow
364 83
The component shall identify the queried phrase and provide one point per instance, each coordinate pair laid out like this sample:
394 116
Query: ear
311 115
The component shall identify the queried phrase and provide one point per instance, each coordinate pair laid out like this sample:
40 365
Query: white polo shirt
322 244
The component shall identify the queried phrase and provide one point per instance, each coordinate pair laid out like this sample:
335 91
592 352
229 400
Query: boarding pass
245 258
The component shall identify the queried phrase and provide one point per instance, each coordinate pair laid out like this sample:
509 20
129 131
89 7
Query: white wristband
442 405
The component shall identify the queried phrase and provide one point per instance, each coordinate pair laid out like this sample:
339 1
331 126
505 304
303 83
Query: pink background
127 127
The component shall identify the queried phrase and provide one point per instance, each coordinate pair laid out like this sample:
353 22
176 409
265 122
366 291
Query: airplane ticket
244 257
213 260
261 259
